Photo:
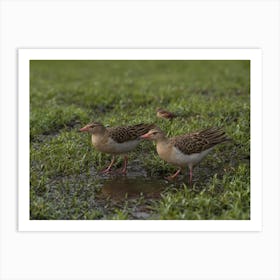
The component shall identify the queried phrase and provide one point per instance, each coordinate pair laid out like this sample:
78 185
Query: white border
25 55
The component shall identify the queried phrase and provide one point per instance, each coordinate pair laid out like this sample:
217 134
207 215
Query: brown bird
116 140
185 150
163 114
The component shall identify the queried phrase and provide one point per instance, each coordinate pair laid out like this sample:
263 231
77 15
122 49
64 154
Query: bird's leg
191 173
108 169
171 177
124 169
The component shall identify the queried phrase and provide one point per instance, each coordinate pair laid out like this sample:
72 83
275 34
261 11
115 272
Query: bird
116 140
185 150
164 114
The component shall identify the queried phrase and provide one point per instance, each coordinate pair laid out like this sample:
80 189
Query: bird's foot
122 171
106 171
170 178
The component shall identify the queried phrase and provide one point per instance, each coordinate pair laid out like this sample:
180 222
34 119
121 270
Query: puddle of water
121 187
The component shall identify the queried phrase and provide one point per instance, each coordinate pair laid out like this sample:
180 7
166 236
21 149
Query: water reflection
121 187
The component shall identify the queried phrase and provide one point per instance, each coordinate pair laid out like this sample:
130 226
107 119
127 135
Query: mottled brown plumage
186 150
126 133
164 114
200 141
116 140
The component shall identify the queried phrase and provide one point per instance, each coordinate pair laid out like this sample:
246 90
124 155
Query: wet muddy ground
137 193
93 195
99 196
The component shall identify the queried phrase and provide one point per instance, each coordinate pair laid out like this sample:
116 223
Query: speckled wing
199 141
122 134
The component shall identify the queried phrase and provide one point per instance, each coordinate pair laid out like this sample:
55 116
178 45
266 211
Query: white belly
176 157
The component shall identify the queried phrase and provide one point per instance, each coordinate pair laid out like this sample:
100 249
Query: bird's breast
164 151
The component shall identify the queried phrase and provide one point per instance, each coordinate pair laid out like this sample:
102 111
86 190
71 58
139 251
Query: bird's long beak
145 136
84 129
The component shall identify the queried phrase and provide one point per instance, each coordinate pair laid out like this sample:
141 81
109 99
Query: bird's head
153 134
93 128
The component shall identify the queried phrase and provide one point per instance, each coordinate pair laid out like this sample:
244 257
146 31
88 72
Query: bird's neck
98 137
163 148
163 140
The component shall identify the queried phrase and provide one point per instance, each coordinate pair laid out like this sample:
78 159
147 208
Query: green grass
65 95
